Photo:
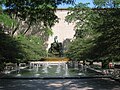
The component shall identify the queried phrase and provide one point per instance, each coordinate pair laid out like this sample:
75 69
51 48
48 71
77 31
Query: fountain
58 68
54 66
50 69
66 70
45 67
37 69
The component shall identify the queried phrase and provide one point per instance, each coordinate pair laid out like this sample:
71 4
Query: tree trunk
16 28
27 28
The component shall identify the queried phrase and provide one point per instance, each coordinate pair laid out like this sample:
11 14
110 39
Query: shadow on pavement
59 84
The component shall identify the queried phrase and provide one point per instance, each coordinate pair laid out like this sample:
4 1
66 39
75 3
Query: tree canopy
107 3
33 11
97 34
86 20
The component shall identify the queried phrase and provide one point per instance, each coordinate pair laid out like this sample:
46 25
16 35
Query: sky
77 1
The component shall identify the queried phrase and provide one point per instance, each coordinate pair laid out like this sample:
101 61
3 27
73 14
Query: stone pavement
59 84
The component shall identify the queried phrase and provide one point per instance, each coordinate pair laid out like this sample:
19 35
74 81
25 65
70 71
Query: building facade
64 31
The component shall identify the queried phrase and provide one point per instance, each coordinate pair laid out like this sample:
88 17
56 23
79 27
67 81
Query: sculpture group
56 48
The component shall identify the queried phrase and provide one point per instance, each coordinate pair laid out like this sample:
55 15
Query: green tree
33 46
108 43
10 49
33 11
107 3
103 34
86 20
5 20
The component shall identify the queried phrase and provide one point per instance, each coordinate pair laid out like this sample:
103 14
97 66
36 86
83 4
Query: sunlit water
51 71
46 71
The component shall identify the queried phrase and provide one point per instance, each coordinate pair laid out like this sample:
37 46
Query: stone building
64 31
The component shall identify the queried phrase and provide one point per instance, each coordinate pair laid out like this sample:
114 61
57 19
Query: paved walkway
59 84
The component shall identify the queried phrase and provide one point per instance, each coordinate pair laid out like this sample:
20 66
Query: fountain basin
50 67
